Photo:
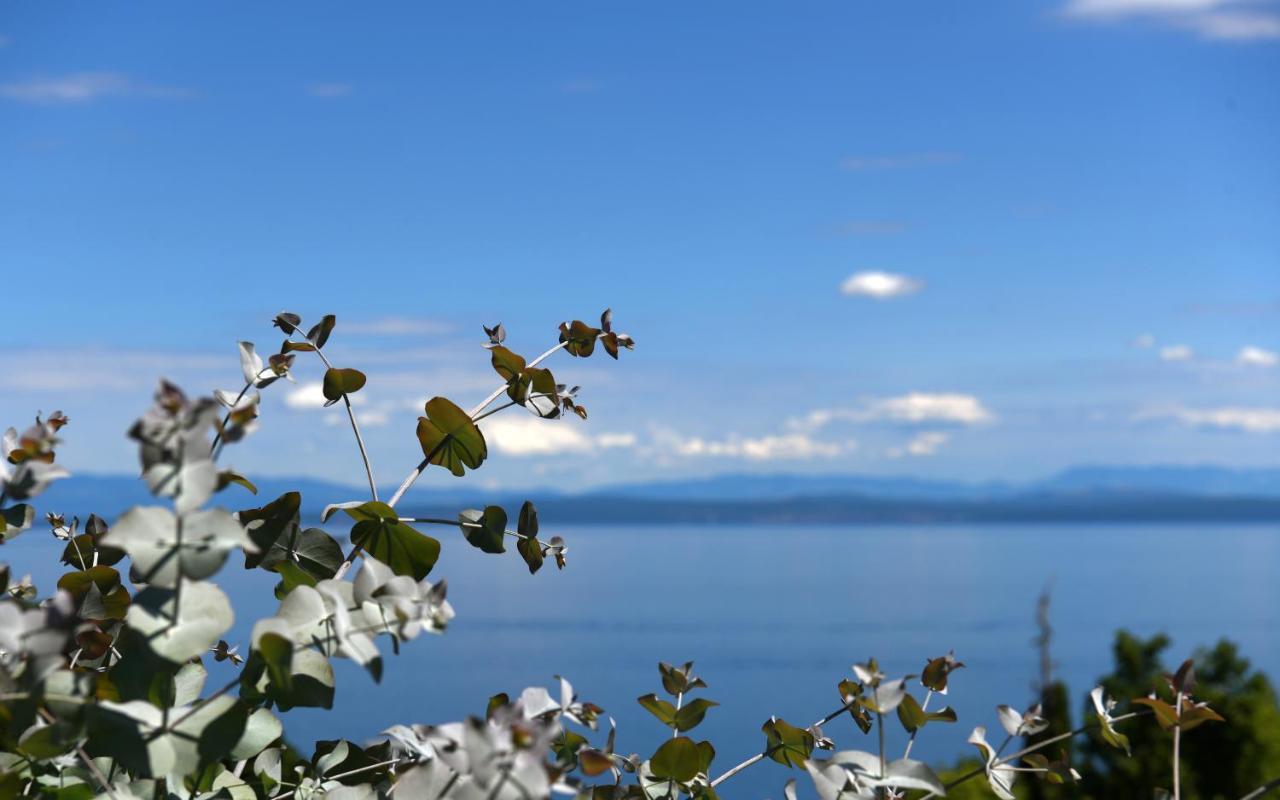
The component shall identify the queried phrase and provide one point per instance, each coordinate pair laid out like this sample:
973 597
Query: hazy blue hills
1084 494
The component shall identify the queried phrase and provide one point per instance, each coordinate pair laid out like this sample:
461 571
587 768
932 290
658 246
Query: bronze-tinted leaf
338 382
319 333
449 438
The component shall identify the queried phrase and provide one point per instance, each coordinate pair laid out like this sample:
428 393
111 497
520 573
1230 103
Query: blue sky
956 240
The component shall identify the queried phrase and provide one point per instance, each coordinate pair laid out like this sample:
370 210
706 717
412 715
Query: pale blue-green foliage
120 688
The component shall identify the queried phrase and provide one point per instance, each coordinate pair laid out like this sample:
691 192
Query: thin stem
675 731
347 774
880 733
199 705
758 757
912 739
84 757
1177 750
1031 749
217 438
355 428
457 523
1263 789
493 411
426 462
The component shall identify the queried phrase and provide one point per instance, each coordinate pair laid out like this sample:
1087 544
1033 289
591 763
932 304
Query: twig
355 428
84 757
1031 749
761 756
347 774
1177 750
426 462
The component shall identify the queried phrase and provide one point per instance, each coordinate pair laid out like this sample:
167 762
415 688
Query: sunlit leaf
449 438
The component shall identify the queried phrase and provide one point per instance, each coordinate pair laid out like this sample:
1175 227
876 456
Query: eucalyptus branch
84 757
911 740
351 416
216 447
474 414
758 757
460 524
347 774
999 762
1177 749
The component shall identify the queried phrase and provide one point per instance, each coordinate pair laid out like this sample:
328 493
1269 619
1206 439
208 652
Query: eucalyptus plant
121 684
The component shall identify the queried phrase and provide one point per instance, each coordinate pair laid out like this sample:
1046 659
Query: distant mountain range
1086 493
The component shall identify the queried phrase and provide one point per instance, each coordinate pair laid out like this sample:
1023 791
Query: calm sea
773 616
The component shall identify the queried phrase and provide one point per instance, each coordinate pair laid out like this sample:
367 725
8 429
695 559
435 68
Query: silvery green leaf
537 701
188 683
361 791
887 696
429 779
1000 776
301 611
189 483
251 367
134 732
201 619
261 729
30 478
149 534
833 782
1010 719
656 788
906 773
15 520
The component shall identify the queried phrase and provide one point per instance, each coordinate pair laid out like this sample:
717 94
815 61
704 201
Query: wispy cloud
528 436
1176 352
925 443
880 285
1144 341
1257 357
1222 20
86 87
785 447
330 91
898 161
914 407
397 326
1247 420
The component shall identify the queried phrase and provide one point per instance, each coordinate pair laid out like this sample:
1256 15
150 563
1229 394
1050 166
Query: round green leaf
449 438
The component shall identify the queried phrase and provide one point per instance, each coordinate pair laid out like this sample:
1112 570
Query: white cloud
529 436
923 444
396 326
1257 357
898 161
1223 20
1144 341
792 446
611 440
914 407
311 395
1176 352
84 87
1248 420
880 285
329 91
